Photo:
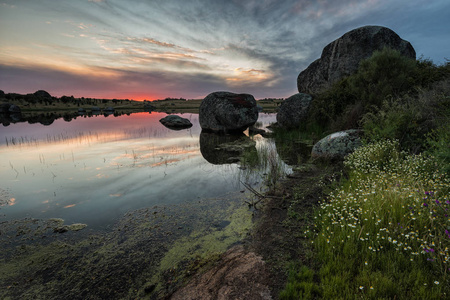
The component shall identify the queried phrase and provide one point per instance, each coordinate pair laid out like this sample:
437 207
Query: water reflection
220 149
93 170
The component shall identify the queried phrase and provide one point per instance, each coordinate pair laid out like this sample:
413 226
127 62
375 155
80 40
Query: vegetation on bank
384 230
43 101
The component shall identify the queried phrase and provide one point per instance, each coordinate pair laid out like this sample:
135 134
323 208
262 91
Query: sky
153 49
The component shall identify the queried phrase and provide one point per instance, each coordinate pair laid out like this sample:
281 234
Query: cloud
194 47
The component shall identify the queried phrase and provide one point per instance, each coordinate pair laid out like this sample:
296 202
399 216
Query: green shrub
385 73
386 76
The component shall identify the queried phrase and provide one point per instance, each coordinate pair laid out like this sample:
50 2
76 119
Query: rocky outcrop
294 110
175 122
238 275
341 57
337 145
226 112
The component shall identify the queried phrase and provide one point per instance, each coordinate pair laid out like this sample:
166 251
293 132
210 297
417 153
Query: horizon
105 49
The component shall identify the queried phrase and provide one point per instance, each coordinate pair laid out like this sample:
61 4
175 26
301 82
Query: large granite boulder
226 112
294 110
337 145
175 122
341 57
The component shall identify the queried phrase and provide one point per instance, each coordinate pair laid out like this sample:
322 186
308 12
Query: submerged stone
175 122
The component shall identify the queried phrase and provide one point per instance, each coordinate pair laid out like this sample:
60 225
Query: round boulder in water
175 122
226 112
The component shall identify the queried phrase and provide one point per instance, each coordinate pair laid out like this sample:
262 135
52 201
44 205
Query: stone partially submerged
225 112
341 57
175 122
337 145
294 110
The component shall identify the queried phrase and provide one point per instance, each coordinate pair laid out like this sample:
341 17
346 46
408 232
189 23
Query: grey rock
226 112
341 57
175 122
294 110
95 108
337 145
109 109
14 109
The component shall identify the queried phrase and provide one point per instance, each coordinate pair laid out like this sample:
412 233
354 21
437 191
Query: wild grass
385 233
266 162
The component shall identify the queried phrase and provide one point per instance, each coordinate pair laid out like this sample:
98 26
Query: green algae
208 241
134 259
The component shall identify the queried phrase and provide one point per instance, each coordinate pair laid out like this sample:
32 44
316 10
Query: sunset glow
147 50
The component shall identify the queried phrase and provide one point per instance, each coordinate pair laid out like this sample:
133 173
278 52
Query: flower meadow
385 232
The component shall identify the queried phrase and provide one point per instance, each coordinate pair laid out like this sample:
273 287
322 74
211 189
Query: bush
385 77
411 119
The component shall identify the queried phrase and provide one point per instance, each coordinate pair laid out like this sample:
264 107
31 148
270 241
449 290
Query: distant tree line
43 97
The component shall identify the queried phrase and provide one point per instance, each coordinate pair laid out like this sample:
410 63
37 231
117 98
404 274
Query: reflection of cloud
150 46
102 176
70 205
12 201
165 162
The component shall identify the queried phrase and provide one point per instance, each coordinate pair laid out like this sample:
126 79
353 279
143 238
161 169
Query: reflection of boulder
227 112
337 145
10 113
15 117
224 149
175 122
293 152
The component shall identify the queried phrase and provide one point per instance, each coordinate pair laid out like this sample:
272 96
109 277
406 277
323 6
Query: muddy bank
258 270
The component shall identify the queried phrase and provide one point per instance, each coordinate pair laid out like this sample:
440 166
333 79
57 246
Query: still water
92 170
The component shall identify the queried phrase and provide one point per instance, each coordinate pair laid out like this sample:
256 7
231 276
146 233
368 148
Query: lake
94 169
